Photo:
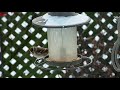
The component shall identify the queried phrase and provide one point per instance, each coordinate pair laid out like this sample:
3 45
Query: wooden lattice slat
19 34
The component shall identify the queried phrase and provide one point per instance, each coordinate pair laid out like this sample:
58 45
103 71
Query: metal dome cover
58 21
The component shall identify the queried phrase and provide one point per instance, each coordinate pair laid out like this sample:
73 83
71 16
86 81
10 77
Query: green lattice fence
18 34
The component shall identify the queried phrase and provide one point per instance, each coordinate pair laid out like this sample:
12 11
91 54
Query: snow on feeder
62 34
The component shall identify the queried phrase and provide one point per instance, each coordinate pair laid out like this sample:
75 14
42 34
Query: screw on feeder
62 36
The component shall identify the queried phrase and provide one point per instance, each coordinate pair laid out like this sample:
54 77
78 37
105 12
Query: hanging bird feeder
62 36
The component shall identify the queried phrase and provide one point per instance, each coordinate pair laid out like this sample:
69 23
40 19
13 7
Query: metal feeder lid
61 20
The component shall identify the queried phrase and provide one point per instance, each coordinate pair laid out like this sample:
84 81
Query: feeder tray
79 63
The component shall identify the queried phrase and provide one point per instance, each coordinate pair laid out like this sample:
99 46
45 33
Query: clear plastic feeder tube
62 44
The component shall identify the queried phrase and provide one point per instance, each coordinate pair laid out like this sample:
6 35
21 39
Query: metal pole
115 62
62 13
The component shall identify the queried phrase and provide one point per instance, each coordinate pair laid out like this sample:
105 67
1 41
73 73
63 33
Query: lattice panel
18 34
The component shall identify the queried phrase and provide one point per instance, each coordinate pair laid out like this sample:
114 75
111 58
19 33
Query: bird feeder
62 34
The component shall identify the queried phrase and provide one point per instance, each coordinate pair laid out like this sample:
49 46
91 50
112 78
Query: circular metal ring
59 66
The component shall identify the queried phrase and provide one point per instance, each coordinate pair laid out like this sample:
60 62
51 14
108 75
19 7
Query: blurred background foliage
95 40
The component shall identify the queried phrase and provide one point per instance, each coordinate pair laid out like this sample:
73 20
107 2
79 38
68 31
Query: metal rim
79 24
71 66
